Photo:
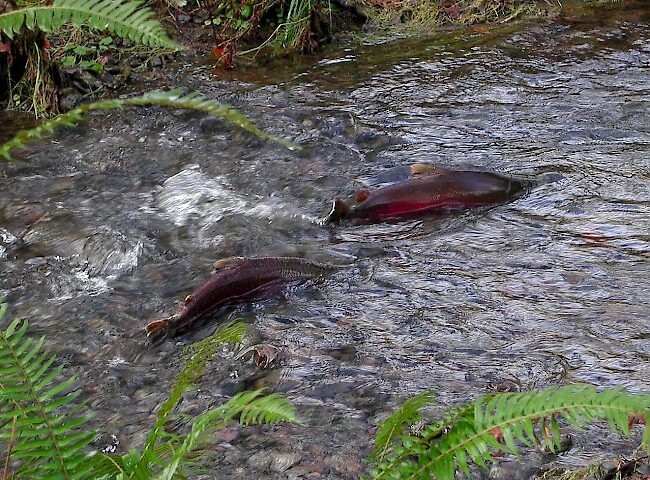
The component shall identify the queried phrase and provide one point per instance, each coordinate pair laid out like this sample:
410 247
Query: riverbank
240 35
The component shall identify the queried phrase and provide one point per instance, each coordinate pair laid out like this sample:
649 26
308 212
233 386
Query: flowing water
111 224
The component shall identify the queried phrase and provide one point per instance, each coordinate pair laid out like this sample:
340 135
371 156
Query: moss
415 16
590 472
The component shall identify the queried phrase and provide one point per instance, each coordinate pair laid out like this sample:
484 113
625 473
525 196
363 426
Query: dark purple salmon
434 190
236 280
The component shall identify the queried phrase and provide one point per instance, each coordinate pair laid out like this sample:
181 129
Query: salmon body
440 191
237 280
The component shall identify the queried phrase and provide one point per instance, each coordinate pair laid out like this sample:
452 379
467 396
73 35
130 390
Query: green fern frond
172 99
501 421
46 442
196 357
124 19
200 351
406 415
249 406
273 408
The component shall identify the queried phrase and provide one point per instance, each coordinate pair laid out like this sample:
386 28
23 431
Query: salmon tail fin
517 188
159 328
425 169
339 211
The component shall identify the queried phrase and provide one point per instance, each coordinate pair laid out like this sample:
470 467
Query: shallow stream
111 224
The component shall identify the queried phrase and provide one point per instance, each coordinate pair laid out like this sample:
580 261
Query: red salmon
436 190
236 280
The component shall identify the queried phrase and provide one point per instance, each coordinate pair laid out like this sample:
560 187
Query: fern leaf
406 415
199 352
196 357
273 408
124 19
48 443
250 406
172 99
501 421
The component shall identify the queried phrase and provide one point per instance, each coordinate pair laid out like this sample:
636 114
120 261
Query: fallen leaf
479 29
263 354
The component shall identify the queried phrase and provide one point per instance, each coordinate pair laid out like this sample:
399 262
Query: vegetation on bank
44 421
43 41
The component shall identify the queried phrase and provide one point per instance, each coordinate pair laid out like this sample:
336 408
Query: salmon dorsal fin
426 169
224 262
362 195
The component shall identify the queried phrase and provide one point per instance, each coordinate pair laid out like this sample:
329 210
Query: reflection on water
112 225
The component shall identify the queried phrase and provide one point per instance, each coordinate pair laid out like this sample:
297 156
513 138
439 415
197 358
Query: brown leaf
452 11
497 434
263 354
479 29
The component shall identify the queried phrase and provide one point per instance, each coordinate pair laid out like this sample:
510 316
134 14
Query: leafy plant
125 19
29 81
407 414
85 56
296 24
33 393
41 426
291 21
171 98
497 422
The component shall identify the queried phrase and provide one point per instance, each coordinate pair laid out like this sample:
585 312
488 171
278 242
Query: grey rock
260 460
70 99
156 62
106 78
511 471
283 461
210 124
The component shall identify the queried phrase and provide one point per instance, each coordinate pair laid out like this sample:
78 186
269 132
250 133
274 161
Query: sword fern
125 19
42 421
497 423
